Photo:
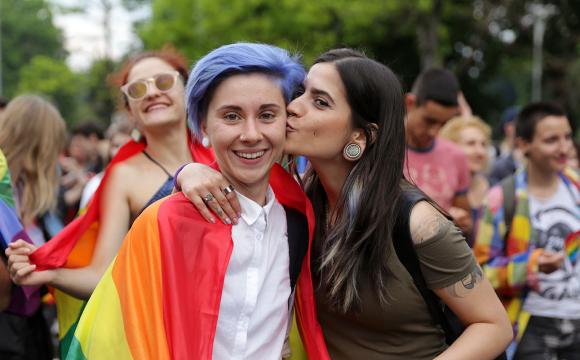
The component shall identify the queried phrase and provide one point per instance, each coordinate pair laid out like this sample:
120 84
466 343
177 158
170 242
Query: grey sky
84 33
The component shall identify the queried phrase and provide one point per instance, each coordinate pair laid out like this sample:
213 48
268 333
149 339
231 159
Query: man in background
437 166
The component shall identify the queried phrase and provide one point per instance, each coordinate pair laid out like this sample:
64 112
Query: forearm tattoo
464 286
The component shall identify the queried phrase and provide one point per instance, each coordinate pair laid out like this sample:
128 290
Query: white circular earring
352 152
205 142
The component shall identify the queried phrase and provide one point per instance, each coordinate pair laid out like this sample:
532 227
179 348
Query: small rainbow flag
571 245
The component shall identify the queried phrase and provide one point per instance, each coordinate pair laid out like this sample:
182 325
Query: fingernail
228 221
212 220
239 215
235 220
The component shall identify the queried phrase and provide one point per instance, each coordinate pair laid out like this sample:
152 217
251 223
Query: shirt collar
251 210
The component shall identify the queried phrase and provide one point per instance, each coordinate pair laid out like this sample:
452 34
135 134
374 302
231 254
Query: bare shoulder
121 176
129 169
426 222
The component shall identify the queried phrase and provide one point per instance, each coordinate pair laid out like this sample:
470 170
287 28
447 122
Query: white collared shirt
253 315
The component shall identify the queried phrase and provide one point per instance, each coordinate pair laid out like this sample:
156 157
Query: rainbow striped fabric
572 245
160 298
510 262
25 299
73 247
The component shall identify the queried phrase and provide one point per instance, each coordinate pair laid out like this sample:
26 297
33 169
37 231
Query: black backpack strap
405 249
508 188
297 226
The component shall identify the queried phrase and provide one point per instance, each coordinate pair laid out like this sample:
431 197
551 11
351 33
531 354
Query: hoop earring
205 142
352 152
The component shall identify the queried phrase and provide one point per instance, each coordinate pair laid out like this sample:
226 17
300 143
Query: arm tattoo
429 228
464 286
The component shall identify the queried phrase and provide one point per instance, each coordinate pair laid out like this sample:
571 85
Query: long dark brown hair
358 243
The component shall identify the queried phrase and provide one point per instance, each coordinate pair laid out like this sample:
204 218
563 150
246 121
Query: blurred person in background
510 158
83 161
117 135
85 140
152 84
437 166
32 135
474 136
528 238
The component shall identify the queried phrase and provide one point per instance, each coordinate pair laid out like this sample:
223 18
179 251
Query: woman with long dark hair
349 124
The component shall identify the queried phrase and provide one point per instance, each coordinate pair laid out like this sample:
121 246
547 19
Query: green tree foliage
488 44
197 26
53 79
27 31
99 96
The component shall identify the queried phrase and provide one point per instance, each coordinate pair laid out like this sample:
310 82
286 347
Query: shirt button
258 237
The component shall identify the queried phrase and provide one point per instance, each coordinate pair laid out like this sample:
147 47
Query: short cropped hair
438 85
233 59
532 114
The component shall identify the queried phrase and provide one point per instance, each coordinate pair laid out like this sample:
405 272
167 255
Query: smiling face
321 123
550 145
157 108
246 125
474 143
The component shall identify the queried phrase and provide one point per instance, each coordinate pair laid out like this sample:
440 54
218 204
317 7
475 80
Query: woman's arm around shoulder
196 181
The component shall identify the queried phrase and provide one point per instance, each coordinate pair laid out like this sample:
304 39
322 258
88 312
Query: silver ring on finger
207 197
228 189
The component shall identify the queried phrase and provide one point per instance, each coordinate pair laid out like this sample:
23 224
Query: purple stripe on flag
25 299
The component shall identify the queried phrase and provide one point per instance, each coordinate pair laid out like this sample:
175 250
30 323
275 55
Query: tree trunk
427 36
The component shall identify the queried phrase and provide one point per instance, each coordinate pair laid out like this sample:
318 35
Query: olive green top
402 329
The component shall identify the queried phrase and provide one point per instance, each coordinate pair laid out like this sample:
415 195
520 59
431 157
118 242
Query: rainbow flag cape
73 247
25 300
160 297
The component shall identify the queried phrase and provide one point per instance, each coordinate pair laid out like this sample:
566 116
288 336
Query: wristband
175 184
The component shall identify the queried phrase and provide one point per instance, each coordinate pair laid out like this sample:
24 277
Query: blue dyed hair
233 59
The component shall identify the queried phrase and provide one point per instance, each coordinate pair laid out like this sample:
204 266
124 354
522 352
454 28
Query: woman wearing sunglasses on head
74 261
349 122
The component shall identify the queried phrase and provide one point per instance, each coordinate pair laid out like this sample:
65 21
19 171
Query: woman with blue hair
183 288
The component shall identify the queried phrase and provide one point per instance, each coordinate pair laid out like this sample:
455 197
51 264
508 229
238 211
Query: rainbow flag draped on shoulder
25 300
73 247
160 298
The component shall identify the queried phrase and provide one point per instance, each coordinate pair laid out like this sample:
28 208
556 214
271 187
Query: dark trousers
550 339
24 338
